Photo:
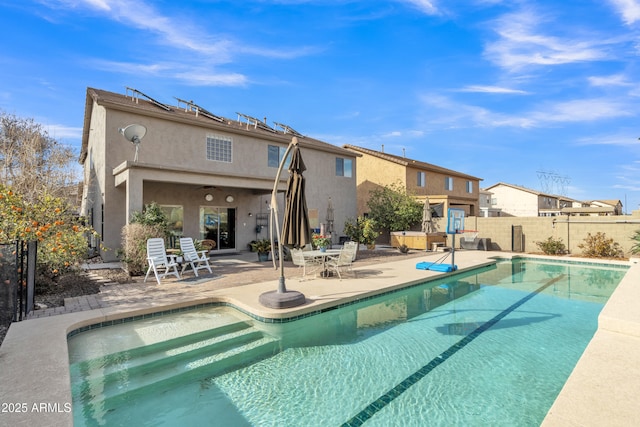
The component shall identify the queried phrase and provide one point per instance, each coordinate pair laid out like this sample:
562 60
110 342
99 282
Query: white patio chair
158 259
307 264
352 246
198 260
343 261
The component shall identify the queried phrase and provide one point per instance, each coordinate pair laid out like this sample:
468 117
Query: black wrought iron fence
17 280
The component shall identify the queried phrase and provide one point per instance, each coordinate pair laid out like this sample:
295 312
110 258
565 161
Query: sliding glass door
218 224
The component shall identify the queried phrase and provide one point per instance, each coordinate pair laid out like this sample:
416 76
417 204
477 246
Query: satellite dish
134 134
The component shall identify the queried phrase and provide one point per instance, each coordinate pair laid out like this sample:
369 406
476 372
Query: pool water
488 347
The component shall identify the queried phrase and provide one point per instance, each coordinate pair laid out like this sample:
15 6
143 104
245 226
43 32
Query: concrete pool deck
34 370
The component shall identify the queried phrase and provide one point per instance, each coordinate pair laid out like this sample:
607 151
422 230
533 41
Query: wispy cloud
582 110
629 9
178 33
426 6
612 80
522 44
492 89
458 115
618 139
189 75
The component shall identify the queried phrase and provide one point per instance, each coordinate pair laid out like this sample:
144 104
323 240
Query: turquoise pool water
490 347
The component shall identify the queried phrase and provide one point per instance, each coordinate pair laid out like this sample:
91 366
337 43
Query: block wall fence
572 230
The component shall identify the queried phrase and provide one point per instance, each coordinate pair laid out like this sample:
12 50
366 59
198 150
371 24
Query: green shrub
552 246
598 246
61 235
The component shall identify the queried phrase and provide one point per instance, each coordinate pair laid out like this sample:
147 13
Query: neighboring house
445 188
487 202
521 201
212 176
514 200
605 207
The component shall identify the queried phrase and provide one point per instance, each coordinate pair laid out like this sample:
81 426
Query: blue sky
496 89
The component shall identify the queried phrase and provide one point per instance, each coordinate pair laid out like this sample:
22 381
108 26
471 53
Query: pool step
124 359
118 377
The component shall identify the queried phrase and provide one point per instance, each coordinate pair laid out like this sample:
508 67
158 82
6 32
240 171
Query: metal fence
17 280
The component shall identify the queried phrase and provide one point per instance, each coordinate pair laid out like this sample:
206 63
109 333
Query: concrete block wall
572 230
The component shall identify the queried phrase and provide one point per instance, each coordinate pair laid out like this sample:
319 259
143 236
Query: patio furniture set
164 264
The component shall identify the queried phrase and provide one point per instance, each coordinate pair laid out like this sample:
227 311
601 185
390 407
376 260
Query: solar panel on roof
288 129
153 101
191 106
255 122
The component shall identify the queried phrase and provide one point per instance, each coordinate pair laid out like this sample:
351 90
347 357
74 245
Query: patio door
219 225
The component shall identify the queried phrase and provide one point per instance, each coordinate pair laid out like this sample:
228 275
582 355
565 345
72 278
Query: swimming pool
493 346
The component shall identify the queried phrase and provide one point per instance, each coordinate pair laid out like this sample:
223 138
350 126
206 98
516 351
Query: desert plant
635 249
598 246
552 246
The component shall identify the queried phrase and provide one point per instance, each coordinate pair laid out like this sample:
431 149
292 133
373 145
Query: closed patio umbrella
295 229
426 217
329 218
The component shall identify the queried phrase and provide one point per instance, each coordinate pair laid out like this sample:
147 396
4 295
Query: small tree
391 208
362 230
598 246
552 246
33 163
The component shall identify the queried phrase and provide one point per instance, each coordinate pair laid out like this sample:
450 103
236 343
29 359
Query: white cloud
521 44
612 80
426 6
491 89
619 139
629 9
457 115
582 110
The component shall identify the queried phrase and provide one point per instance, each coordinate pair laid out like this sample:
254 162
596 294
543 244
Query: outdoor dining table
323 255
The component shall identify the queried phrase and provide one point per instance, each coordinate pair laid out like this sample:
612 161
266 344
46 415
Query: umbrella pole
280 298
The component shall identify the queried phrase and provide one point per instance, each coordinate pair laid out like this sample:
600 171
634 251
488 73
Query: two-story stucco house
445 188
515 200
213 176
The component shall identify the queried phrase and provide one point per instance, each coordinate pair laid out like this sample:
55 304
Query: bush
552 246
599 246
61 236
134 245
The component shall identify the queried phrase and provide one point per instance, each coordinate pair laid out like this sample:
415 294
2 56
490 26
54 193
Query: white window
219 148
469 186
422 180
344 167
448 183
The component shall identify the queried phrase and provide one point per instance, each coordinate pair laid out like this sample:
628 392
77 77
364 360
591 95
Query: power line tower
553 183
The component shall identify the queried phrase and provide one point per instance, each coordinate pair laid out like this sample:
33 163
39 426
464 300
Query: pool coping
34 367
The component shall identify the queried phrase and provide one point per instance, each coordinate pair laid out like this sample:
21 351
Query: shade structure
295 231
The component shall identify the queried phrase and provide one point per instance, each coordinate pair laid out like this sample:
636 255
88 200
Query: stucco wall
172 169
